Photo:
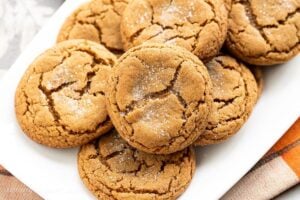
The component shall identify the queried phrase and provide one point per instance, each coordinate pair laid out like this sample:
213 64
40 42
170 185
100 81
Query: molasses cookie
159 98
60 99
97 20
197 25
264 32
228 4
113 170
234 96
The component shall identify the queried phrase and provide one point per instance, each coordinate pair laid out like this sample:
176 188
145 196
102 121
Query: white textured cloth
20 21
266 182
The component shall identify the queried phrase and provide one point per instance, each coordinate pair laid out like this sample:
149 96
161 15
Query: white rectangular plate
53 173
2 72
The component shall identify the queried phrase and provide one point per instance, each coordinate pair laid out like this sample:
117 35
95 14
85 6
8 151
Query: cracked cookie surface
60 99
234 96
159 98
228 4
200 26
113 170
264 32
98 21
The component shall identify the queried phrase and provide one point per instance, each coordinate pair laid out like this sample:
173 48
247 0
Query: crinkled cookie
264 32
60 99
159 98
98 21
197 25
113 170
234 96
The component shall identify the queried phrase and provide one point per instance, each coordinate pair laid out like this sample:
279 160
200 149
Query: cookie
264 32
228 4
234 96
97 20
60 99
113 170
199 26
159 98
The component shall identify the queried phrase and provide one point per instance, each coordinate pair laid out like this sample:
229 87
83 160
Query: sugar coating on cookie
264 32
234 96
159 98
197 25
97 20
113 170
60 99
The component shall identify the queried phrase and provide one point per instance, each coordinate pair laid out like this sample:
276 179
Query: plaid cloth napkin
276 172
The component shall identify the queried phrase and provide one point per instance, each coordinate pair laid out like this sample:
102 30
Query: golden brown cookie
113 170
197 25
234 96
97 20
159 98
60 99
264 32
228 4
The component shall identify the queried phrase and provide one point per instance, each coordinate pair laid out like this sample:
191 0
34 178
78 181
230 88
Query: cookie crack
114 10
27 109
93 15
97 60
184 157
51 105
289 15
104 160
95 25
139 31
243 115
50 100
86 89
226 102
176 26
253 21
59 88
160 94
124 112
99 15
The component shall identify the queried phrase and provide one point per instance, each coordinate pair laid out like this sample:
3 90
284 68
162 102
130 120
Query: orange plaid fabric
276 172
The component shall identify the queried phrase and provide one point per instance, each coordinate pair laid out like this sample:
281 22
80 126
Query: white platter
53 173
2 72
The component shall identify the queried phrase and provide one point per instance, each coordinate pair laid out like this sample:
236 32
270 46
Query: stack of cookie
137 83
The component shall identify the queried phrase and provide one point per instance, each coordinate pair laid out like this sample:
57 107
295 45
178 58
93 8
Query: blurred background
19 22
